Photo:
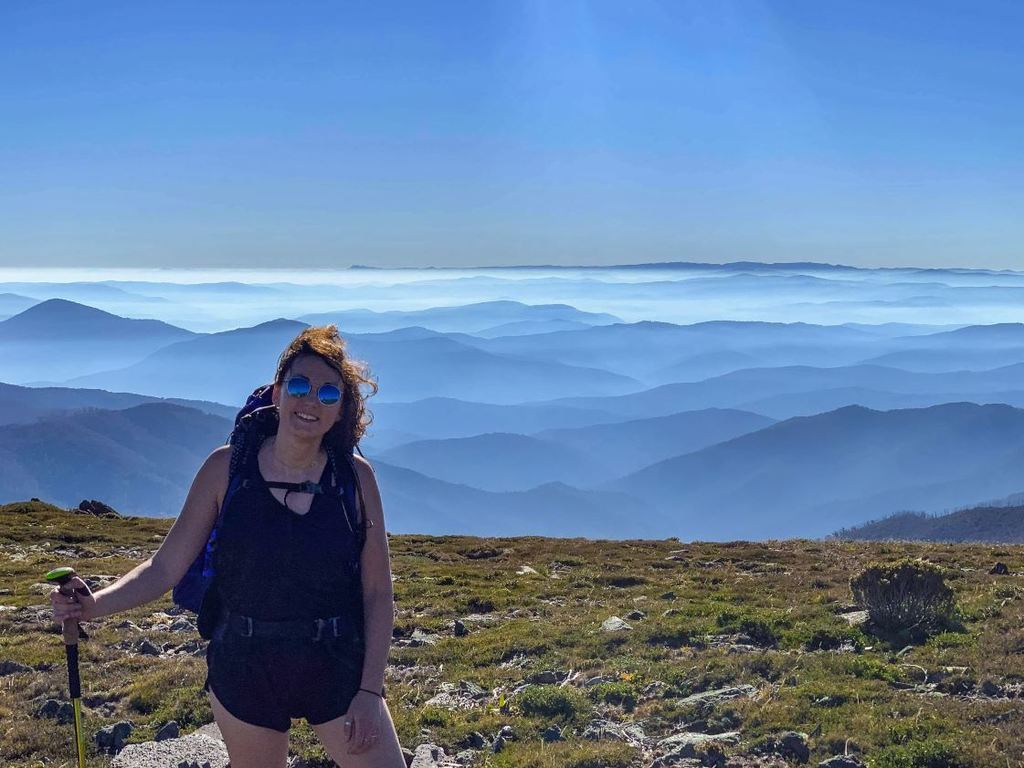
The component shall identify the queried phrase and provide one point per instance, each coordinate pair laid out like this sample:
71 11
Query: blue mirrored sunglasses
299 386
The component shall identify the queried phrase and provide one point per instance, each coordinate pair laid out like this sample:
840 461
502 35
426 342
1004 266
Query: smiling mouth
304 417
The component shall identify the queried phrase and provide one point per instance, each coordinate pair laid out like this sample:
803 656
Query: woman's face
306 415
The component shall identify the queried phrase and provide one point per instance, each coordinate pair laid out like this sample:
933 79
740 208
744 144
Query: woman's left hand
365 714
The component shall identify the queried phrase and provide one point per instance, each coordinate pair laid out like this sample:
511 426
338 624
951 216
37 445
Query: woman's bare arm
152 578
378 593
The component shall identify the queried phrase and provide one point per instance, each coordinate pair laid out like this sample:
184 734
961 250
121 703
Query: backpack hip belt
301 629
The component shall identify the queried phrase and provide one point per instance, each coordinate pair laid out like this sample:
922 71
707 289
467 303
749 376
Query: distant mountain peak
63 309
69 319
986 330
279 322
405 332
650 324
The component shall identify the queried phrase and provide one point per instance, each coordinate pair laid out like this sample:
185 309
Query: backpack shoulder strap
364 520
356 517
235 479
252 424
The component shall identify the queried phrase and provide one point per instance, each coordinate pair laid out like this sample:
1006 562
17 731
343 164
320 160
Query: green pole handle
62 576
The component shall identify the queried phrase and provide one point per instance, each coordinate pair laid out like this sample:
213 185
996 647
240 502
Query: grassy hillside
983 523
775 616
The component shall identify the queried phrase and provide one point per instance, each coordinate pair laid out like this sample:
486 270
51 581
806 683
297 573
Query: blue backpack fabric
256 420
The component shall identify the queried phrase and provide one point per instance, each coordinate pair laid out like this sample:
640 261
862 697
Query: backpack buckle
248 626
331 623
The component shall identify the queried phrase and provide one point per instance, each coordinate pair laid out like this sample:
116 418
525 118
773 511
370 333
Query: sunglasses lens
298 386
329 394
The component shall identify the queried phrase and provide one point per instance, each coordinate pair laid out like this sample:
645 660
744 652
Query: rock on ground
841 761
466 695
432 756
196 748
719 694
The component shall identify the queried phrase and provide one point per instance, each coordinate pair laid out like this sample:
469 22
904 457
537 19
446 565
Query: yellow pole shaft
79 741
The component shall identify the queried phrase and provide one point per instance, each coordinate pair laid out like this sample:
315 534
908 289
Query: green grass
783 594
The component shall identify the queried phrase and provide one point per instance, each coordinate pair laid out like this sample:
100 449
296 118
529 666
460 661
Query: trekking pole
62 576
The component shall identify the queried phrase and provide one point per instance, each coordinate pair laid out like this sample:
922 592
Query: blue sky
324 134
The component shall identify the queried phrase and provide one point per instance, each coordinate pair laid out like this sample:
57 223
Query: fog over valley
702 401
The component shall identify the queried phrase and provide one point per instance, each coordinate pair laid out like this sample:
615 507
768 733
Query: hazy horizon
302 274
218 300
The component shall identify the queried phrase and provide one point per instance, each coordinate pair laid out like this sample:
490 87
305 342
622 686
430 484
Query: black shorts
268 681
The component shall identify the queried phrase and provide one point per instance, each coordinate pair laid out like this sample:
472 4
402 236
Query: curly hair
325 342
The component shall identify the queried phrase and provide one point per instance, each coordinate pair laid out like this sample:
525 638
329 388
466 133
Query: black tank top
276 565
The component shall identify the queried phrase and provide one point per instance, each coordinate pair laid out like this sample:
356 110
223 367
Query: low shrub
909 598
874 669
762 631
673 637
552 701
435 717
831 640
931 753
565 754
620 693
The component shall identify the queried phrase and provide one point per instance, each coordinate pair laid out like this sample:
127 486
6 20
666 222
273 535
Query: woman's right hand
79 606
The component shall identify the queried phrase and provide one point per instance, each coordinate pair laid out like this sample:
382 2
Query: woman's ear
275 395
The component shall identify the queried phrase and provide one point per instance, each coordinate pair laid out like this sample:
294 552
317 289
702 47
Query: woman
278 562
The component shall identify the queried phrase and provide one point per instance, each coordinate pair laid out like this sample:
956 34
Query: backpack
257 420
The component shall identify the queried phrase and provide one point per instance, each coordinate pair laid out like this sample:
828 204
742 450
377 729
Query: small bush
952 640
908 598
873 669
673 637
614 693
551 701
764 666
932 753
760 631
480 605
435 717
565 754
830 640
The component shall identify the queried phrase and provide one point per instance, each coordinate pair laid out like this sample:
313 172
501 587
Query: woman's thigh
249 746
385 753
